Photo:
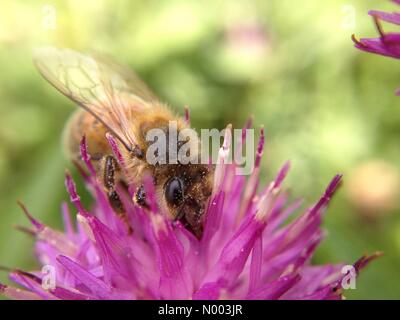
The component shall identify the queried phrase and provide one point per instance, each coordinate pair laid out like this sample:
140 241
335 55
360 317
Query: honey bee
114 100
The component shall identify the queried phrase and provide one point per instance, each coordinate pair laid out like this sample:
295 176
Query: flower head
247 251
387 44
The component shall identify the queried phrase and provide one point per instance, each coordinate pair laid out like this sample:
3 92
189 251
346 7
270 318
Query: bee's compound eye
174 191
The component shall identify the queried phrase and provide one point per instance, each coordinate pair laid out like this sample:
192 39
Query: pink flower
387 44
246 251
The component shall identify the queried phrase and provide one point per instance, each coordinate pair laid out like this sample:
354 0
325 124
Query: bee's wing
110 92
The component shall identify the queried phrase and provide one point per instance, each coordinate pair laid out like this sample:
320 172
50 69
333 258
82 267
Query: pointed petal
94 284
175 281
275 289
17 294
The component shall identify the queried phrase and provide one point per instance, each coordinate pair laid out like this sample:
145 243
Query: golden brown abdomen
82 123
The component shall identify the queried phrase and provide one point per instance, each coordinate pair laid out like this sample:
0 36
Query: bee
114 100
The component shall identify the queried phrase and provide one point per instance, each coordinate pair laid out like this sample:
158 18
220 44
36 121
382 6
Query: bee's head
186 193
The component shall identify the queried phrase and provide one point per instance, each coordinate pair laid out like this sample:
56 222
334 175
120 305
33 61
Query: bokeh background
326 106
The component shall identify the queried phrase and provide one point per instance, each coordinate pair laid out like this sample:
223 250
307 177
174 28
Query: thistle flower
246 251
388 44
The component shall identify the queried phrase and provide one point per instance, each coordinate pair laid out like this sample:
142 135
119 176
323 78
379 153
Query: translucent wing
110 92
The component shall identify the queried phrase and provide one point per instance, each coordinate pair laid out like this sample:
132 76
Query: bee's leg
110 166
140 198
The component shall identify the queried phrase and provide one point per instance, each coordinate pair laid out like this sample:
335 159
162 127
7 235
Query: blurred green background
326 106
